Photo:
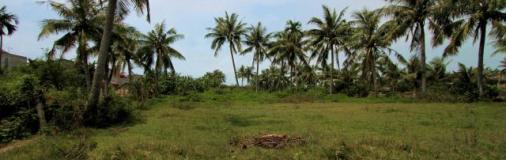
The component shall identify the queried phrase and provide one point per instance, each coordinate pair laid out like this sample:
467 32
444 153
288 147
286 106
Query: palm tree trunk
337 60
331 89
157 73
483 32
1 51
258 70
83 59
129 66
233 63
99 74
41 114
422 60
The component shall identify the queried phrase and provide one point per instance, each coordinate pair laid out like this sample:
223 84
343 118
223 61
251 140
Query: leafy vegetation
374 104
355 128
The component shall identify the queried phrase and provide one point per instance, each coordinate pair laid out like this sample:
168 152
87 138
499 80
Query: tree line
300 58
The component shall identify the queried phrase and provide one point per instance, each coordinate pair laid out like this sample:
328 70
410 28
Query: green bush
110 111
357 90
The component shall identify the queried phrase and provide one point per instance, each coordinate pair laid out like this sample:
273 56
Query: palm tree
125 47
472 17
371 40
411 17
8 26
290 47
105 42
157 45
330 35
228 29
245 73
258 41
80 23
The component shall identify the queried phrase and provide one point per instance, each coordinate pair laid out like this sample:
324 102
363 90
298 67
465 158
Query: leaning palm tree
157 45
371 41
80 23
328 38
258 41
290 48
228 29
472 18
112 7
8 26
411 17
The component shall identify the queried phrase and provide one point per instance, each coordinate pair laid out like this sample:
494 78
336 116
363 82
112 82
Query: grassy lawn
347 128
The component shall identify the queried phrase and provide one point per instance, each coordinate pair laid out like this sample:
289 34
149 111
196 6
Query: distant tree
245 73
411 18
258 41
156 45
290 48
471 18
371 41
8 26
80 23
228 29
125 48
328 38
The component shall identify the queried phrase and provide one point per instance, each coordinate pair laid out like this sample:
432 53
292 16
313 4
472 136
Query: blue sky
192 17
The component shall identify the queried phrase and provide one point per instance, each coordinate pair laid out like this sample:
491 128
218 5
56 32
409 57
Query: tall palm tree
8 26
331 34
258 41
472 17
80 24
157 45
411 17
371 40
105 42
228 29
290 47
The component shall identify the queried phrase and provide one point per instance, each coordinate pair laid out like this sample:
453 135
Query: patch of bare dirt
268 141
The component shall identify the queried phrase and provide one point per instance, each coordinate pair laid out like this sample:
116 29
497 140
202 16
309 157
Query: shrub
357 90
110 111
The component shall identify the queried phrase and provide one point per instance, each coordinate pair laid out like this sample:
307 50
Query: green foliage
111 111
18 118
213 79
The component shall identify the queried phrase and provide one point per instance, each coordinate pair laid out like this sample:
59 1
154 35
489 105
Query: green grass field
203 126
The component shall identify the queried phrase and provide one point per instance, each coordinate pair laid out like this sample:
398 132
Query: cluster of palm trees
115 45
366 39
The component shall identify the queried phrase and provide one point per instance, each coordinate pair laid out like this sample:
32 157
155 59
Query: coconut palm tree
290 47
228 29
112 7
328 38
157 45
8 26
258 41
371 40
80 23
245 73
125 47
472 18
411 17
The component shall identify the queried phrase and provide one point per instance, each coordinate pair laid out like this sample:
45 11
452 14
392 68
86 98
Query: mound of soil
268 141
